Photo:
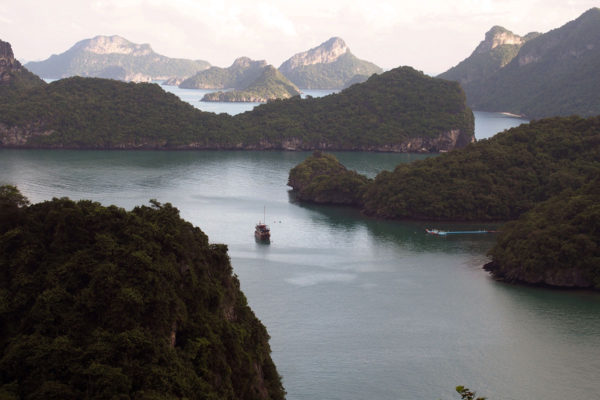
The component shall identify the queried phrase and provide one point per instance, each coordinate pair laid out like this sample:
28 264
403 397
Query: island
115 57
239 76
330 65
98 302
542 176
270 85
401 110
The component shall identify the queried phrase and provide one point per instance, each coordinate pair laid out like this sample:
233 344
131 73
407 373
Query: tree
467 394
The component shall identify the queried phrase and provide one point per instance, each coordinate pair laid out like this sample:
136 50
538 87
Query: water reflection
410 235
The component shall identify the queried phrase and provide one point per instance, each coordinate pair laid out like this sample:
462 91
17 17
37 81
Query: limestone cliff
497 36
8 64
12 73
497 49
115 57
538 75
330 65
326 53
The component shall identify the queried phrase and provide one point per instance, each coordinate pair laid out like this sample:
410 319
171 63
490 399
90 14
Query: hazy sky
429 35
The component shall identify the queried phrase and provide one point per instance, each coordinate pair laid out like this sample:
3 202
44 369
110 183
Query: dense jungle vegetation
95 113
270 85
556 243
323 179
494 179
101 303
544 173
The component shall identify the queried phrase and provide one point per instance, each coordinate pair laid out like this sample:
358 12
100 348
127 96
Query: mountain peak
114 45
325 53
246 62
497 36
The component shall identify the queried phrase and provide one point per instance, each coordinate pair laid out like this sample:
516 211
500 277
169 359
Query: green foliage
322 179
238 76
270 85
467 394
495 179
556 243
379 114
97 302
383 112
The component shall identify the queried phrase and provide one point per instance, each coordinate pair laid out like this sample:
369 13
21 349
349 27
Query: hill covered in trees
270 85
557 243
323 179
239 76
99 302
401 110
506 177
553 74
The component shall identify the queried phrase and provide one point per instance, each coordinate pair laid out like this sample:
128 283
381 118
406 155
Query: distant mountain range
401 110
330 65
116 58
538 75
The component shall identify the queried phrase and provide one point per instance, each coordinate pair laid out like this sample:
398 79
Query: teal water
356 308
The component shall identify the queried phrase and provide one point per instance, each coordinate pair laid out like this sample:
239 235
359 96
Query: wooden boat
261 230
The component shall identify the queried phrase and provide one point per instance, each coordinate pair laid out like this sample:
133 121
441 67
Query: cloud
271 17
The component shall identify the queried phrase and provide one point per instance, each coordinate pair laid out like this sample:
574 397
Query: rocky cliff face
495 37
325 53
115 57
8 64
113 45
330 65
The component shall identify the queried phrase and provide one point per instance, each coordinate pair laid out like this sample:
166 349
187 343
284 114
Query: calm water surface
356 308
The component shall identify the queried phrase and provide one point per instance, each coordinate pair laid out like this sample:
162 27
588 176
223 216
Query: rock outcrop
12 73
8 64
115 57
330 65
538 75
326 53
498 48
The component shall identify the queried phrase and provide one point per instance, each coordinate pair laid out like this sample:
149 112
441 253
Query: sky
429 35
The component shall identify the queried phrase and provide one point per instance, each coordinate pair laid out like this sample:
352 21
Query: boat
439 232
261 230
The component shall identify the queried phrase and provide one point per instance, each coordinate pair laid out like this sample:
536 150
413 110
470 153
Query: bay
357 308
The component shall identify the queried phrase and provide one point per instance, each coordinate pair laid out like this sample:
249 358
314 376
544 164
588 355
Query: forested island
99 302
525 174
401 110
270 85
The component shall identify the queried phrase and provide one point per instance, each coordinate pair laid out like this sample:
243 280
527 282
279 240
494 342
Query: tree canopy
98 302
